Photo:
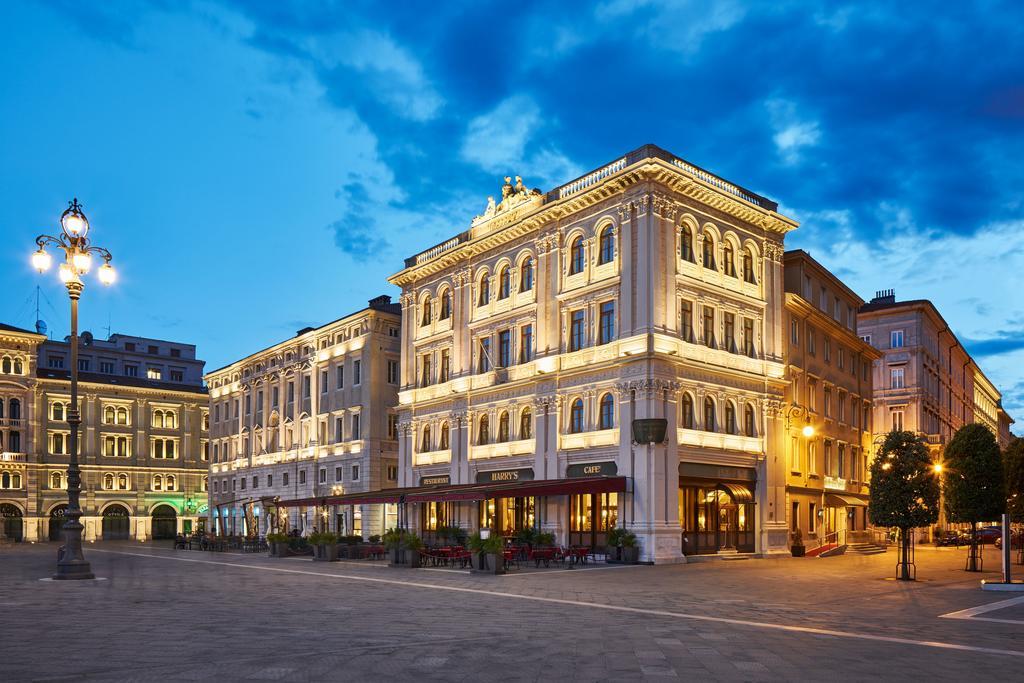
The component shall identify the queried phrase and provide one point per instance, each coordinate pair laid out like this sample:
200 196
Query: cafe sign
504 476
592 469
436 480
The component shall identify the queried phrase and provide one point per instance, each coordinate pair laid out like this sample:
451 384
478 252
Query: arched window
526 424
606 252
158 418
443 445
576 417
485 291
607 412
7 365
503 427
709 414
484 433
109 446
55 480
108 415
1 408
504 283
122 416
5 480
526 275
728 256
748 420
16 481
57 411
18 369
687 404
206 484
748 266
15 409
425 441
576 256
108 481
122 482
686 243
730 418
172 483
446 304
709 252
425 319
158 482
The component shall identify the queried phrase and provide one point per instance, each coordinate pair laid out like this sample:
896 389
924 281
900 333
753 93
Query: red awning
536 487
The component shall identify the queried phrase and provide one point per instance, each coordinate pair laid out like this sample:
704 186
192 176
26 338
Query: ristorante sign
504 476
436 480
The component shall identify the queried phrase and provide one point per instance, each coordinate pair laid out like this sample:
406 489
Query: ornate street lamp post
74 242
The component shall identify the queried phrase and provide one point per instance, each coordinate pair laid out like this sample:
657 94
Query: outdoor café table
579 554
545 555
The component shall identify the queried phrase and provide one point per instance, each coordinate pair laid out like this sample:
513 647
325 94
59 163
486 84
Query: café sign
504 476
592 469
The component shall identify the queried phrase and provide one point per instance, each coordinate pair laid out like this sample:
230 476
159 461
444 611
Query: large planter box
630 555
279 550
488 563
613 554
325 553
797 550
403 557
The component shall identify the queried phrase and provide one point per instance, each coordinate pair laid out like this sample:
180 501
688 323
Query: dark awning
739 492
835 500
522 489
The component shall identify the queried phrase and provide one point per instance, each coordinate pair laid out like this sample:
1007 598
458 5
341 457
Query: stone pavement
162 614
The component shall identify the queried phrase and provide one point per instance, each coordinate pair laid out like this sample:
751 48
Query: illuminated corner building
305 423
828 407
142 439
926 382
534 341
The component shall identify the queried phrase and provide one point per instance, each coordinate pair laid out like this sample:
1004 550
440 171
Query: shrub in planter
544 539
324 548
796 547
374 539
403 546
630 551
412 545
527 536
490 554
278 544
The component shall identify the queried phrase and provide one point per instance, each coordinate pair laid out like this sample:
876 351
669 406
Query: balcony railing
12 457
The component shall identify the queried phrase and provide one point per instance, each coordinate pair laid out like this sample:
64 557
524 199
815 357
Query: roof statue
511 197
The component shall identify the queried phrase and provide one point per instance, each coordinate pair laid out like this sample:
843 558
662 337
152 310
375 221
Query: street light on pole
78 252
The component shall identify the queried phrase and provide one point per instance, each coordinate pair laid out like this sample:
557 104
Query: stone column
627 292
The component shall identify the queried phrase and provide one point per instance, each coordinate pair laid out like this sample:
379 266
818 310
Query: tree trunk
904 568
972 556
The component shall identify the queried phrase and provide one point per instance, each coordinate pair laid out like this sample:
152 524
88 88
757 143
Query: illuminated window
526 424
526 275
484 430
57 412
154 373
687 405
576 256
446 305
686 243
484 291
709 415
576 417
709 252
504 283
503 429
748 266
425 440
749 426
730 418
728 258
425 319
443 442
607 412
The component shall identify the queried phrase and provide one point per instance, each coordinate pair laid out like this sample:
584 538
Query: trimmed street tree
975 487
1013 467
904 490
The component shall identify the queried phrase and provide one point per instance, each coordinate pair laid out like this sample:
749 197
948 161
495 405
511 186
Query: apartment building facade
310 417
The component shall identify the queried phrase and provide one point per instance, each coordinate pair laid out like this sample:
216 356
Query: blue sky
260 166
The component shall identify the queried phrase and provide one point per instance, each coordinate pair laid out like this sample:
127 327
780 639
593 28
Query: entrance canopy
835 500
470 492
738 492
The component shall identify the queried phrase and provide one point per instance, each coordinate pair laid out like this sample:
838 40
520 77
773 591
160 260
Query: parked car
1016 536
949 538
987 534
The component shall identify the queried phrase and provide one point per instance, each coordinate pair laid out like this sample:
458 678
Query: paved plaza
190 615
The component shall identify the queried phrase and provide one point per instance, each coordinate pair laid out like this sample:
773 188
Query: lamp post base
73 570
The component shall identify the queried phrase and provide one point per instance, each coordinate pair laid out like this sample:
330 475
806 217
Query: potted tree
614 549
393 544
630 548
324 546
278 544
796 546
490 554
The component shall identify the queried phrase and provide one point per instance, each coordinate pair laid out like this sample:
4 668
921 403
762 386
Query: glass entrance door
591 517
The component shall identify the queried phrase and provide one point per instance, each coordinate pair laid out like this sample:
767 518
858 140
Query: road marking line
972 612
810 630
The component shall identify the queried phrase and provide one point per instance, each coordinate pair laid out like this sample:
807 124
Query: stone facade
532 341
143 436
312 416
828 404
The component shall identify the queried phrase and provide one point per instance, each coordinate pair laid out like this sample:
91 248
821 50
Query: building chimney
885 296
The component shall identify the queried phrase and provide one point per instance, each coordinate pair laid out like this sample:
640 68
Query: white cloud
791 133
498 142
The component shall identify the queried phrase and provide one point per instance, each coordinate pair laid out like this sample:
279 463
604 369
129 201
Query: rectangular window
842 406
255 482
444 371
794 333
392 372
323 381
812 457
896 378
302 476
322 475
748 337
175 353
177 376
357 373
392 426
154 373
107 367
392 472
823 299
828 349
131 370
812 518
484 359
338 476
425 370
339 429
897 420
284 479
355 472
355 427
811 349
577 330
290 389
686 320
896 339
794 454
270 480
526 343
83 365
812 394
866 338
607 323
56 362
729 321
709 327
505 348
828 402
841 461
340 370
808 290
842 358
830 464
306 386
